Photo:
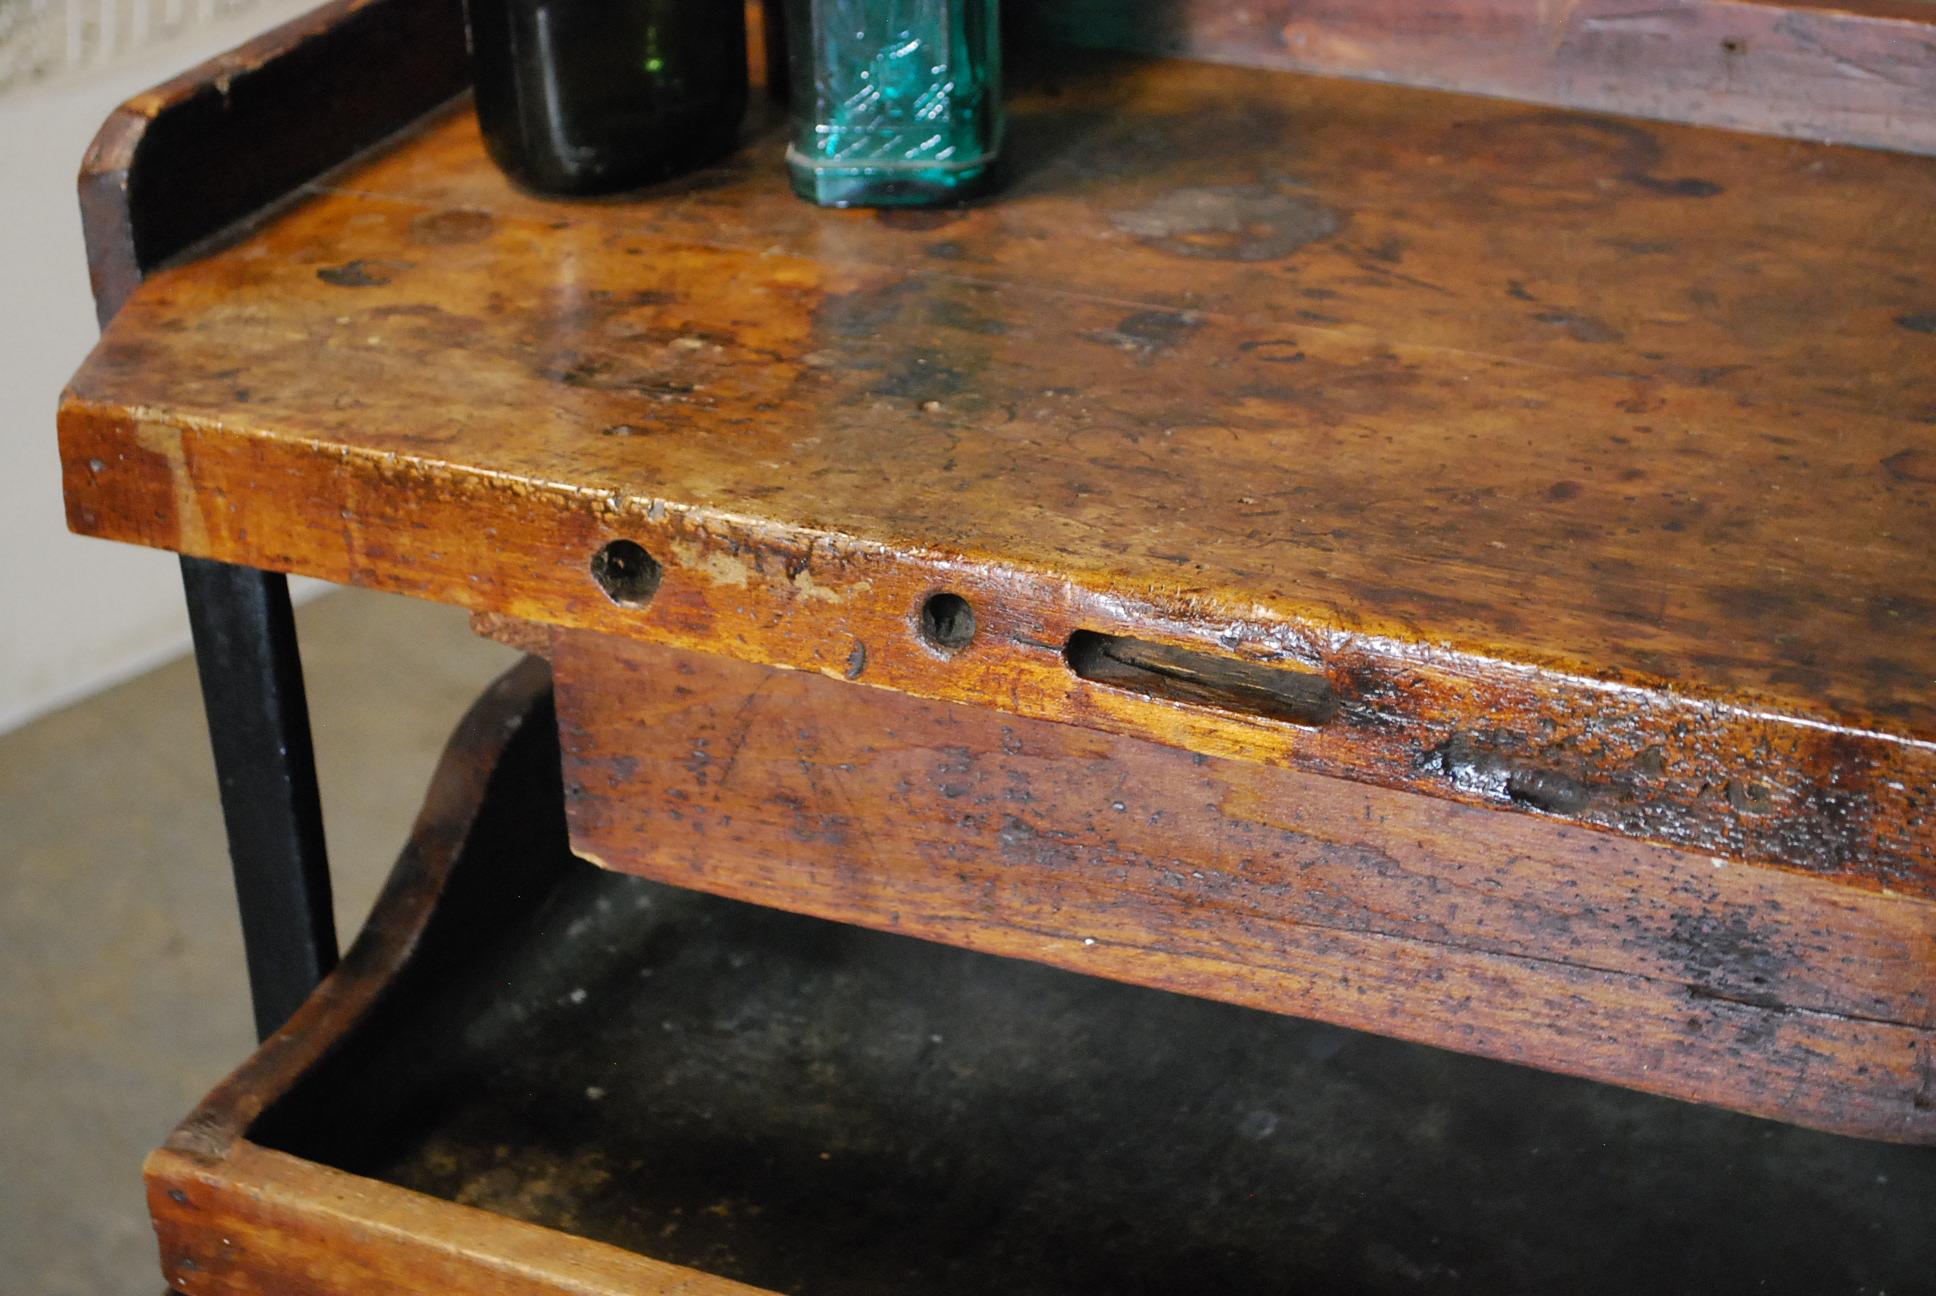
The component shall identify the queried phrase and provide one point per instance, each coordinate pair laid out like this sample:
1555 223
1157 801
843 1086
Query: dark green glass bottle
596 96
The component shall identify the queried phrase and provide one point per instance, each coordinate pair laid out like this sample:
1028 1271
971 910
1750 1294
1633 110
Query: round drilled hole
947 622
627 573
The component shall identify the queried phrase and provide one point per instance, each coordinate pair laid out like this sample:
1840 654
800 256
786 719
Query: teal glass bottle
596 96
895 102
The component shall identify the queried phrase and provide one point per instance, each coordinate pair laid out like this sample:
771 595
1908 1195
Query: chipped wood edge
530 637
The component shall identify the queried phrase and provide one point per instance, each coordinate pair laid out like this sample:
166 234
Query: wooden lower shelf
532 1075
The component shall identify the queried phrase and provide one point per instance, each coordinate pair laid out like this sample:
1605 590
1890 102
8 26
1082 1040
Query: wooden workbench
1579 465
1450 567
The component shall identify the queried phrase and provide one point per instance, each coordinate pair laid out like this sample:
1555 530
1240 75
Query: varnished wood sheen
1853 71
1586 462
1516 938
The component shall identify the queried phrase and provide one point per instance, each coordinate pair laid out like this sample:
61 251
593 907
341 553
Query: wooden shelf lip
1517 426
280 1216
233 1216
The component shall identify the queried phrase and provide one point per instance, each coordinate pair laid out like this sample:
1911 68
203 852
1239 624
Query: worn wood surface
174 165
1857 71
1661 969
1586 462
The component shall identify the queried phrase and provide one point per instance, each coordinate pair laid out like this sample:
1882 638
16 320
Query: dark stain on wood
1916 464
1473 765
458 225
361 273
1152 332
1681 187
1295 696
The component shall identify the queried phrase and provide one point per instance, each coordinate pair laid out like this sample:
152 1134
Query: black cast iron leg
258 723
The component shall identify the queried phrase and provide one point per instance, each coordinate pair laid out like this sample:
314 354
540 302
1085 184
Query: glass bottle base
619 165
887 186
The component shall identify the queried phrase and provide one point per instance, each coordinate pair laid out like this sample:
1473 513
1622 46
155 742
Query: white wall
75 615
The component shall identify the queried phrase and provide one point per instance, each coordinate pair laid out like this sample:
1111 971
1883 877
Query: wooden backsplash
1861 72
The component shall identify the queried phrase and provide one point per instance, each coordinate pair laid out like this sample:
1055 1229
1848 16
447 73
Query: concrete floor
121 975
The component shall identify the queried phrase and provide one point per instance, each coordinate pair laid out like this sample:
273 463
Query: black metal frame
167 170
258 725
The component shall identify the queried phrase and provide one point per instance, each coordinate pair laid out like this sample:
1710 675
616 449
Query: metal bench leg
258 723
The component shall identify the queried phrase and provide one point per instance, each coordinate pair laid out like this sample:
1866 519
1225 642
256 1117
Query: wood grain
1574 454
1855 72
1663 970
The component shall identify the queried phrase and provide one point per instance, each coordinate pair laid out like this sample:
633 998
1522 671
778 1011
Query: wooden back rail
242 131
1847 71
238 133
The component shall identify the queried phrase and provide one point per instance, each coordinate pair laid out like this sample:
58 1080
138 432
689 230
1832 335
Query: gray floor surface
122 996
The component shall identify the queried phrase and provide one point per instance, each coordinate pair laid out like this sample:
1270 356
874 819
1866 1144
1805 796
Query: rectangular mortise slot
1155 670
